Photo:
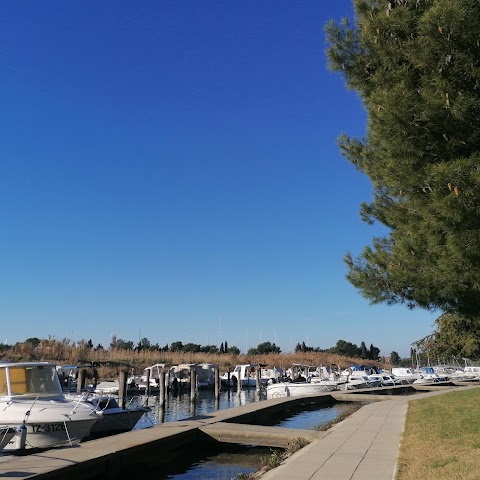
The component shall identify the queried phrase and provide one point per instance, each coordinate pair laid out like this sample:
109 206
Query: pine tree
416 67
373 353
363 350
395 359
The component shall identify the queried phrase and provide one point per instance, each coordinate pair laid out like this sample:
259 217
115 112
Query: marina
111 457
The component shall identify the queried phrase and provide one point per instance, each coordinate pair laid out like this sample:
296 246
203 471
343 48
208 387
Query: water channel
225 461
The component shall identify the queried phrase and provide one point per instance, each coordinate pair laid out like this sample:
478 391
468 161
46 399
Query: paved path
362 447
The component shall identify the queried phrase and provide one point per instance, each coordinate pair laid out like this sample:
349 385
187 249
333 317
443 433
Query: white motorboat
115 419
428 376
68 375
245 374
151 373
407 375
179 376
472 372
271 375
295 389
453 373
204 374
385 380
359 381
31 396
301 380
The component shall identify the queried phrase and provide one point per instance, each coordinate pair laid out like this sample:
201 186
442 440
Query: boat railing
134 402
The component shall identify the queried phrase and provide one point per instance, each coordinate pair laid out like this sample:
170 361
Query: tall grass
67 352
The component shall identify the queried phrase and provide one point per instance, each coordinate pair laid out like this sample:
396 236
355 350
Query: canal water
178 406
226 461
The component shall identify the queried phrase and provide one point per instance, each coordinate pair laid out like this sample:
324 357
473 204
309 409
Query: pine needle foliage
416 66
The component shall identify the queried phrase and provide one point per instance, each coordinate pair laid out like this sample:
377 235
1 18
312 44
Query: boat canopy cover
429 370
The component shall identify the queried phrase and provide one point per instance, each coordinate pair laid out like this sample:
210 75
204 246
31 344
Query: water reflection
309 418
179 407
220 465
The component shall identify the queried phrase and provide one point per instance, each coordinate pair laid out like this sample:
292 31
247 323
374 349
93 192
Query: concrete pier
257 434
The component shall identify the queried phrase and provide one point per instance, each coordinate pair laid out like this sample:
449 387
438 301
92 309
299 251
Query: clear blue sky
169 170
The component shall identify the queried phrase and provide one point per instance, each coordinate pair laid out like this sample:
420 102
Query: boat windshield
29 380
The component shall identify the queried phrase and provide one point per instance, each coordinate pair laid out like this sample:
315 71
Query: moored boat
301 380
295 389
31 396
115 419
244 373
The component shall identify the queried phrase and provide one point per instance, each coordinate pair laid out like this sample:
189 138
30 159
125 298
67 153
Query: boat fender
309 379
21 437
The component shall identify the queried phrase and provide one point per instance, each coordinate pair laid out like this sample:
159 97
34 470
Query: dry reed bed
110 361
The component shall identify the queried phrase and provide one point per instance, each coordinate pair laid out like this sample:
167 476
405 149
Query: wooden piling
217 382
193 381
147 388
80 379
239 383
82 374
122 388
161 392
257 379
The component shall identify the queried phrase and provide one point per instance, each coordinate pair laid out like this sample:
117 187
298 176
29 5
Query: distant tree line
346 349
264 348
145 344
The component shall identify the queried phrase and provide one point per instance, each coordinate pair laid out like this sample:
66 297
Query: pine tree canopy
416 66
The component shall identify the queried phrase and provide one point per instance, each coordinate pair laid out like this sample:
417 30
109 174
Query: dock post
239 383
161 414
81 379
95 378
161 393
217 382
257 379
122 388
192 383
229 386
147 388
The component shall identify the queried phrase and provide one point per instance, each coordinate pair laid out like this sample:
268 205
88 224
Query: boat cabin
29 379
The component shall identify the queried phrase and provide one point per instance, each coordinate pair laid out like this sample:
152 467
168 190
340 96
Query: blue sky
170 170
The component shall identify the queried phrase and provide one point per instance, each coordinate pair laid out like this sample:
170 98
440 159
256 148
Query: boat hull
118 422
49 423
278 390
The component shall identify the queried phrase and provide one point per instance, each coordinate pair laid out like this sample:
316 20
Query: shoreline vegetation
111 361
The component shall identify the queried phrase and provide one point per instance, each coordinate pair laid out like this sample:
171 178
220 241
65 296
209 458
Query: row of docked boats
300 379
178 377
311 380
36 412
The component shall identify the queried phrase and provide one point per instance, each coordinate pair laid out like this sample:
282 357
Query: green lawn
441 440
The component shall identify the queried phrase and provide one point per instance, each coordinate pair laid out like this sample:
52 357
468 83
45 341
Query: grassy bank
442 438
